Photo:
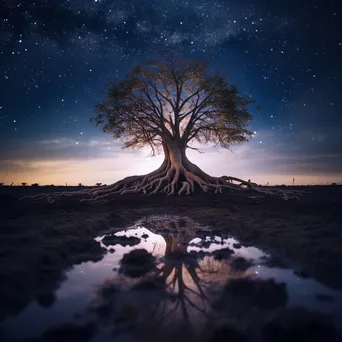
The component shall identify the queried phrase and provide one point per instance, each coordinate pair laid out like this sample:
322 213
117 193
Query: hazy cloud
100 159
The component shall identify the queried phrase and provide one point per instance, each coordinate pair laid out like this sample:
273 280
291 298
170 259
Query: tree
168 104
23 184
98 184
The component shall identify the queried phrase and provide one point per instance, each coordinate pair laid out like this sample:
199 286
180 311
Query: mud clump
110 240
264 294
222 254
137 263
79 250
246 293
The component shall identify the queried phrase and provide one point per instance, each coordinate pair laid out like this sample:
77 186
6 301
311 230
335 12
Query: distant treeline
100 184
51 185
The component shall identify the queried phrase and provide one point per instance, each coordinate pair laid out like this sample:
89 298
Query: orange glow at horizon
109 170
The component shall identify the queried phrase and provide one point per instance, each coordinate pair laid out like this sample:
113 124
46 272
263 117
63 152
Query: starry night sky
56 56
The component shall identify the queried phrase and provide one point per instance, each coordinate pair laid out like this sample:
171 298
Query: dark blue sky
56 57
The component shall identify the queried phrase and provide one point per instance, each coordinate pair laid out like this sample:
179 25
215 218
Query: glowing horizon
102 160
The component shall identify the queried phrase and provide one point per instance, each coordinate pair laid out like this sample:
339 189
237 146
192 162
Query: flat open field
38 242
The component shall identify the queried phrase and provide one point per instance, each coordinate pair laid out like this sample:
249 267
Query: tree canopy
174 99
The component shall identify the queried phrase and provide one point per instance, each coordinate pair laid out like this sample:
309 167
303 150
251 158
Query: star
55 68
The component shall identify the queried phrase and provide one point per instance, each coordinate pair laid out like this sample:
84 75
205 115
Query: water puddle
169 272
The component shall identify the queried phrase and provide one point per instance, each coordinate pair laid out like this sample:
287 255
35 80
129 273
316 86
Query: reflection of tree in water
190 277
171 224
180 290
180 275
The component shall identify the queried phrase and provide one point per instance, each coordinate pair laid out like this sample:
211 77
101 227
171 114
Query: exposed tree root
170 180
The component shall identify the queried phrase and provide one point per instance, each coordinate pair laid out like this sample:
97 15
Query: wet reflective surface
169 272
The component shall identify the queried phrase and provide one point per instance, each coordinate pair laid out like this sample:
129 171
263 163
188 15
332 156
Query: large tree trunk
183 175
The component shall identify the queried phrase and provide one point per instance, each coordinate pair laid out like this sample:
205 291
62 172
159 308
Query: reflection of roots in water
210 266
173 224
219 270
176 293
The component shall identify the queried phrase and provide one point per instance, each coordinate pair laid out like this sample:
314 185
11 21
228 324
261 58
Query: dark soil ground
39 242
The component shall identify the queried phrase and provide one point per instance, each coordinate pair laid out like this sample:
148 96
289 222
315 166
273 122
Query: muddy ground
39 242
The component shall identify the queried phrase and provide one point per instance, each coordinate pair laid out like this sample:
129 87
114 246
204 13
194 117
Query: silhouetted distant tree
35 184
98 184
23 184
80 184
